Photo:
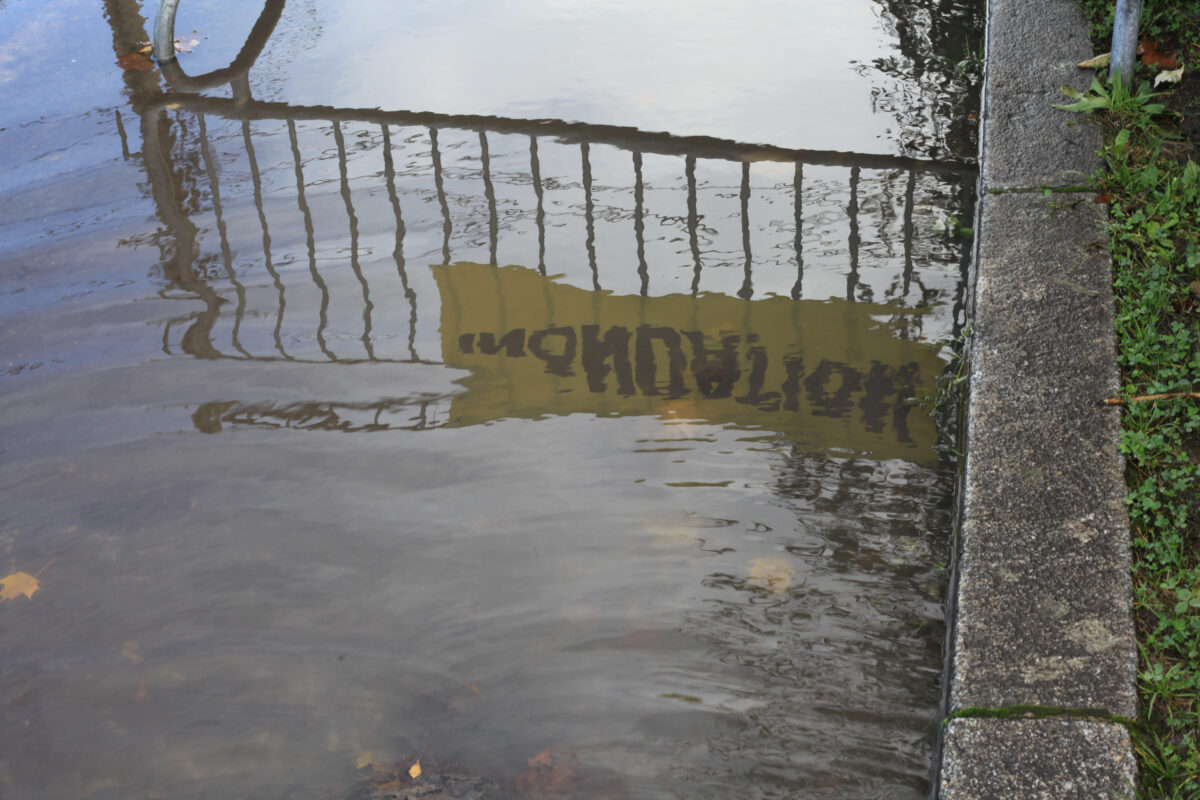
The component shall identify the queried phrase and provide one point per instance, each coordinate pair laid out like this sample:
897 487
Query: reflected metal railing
183 97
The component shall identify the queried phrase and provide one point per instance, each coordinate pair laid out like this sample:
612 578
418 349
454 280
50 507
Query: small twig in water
1142 398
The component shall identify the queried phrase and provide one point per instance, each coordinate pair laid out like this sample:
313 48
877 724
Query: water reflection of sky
765 71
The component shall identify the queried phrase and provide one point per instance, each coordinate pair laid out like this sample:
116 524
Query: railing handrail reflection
620 136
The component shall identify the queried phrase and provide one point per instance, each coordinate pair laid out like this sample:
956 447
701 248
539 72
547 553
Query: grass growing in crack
948 387
1152 184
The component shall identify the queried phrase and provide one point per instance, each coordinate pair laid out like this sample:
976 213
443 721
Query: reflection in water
827 374
934 80
908 258
658 498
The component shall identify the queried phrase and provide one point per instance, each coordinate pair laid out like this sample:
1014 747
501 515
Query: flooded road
527 388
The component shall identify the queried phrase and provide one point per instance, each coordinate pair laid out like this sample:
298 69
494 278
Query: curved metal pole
164 48
164 31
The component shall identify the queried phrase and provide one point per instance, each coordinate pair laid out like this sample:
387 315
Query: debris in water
186 45
135 62
548 778
773 574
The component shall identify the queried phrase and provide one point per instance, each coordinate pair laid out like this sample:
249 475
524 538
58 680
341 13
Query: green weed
1153 192
1124 107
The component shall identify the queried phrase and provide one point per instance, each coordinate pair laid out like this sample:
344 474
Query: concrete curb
1043 605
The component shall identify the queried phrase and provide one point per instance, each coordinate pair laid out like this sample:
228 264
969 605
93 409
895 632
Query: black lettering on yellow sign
830 374
597 352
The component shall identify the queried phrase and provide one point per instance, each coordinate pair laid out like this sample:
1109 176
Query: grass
1152 183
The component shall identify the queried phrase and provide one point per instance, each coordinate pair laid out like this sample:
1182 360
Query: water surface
359 417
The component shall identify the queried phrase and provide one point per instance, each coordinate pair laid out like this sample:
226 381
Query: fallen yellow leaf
1101 60
17 584
414 771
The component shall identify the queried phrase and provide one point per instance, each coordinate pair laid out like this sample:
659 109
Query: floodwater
523 387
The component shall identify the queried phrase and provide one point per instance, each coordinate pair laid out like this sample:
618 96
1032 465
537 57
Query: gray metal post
1125 40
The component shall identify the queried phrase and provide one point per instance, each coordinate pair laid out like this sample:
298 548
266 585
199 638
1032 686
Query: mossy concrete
1043 607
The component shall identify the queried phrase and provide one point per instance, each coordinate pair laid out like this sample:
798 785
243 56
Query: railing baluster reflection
693 220
489 192
343 173
311 244
910 191
589 217
256 180
125 155
535 169
639 223
389 175
440 184
214 186
852 212
747 290
798 244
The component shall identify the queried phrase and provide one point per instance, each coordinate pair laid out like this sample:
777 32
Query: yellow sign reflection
829 375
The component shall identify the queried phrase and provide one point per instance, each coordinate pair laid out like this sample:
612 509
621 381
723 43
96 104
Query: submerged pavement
1043 653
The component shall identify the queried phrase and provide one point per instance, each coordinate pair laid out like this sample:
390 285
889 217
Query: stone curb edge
1042 603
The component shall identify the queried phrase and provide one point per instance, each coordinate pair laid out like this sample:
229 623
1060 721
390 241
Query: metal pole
164 31
1125 40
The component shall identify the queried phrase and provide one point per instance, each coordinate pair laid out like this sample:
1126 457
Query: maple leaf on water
17 584
21 583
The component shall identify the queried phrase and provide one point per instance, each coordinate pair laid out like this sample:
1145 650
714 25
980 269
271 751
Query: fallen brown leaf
1152 56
